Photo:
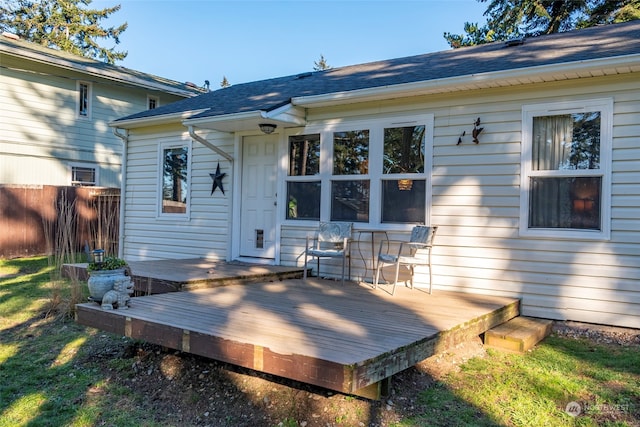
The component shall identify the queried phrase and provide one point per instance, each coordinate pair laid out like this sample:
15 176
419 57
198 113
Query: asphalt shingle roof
606 41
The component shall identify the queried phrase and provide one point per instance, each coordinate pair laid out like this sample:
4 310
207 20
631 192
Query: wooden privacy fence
45 219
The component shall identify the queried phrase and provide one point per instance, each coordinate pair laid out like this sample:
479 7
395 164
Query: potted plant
103 272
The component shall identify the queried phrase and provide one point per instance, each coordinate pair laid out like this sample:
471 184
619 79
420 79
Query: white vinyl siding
40 133
206 233
476 203
475 200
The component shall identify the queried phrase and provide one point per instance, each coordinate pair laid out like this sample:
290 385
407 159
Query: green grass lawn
539 387
46 375
54 372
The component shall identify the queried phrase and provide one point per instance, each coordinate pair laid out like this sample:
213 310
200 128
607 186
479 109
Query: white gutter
286 114
256 114
206 143
565 71
123 188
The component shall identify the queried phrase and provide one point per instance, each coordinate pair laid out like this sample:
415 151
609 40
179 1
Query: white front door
258 203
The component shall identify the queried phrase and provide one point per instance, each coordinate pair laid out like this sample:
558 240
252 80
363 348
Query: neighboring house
55 108
54 113
543 205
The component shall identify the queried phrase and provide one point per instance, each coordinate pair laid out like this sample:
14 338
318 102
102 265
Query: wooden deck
350 338
157 277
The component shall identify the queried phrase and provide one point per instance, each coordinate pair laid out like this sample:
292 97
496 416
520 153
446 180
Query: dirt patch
186 390
183 389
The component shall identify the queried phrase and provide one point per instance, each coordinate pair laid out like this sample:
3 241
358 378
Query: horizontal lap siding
206 232
40 134
476 202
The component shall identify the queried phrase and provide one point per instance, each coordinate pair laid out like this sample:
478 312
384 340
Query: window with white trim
566 169
365 172
84 100
84 175
153 102
303 183
175 162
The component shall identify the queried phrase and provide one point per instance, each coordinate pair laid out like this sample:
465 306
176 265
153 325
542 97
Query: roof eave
112 75
154 120
285 116
554 72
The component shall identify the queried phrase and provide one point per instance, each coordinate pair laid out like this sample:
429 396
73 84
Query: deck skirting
350 338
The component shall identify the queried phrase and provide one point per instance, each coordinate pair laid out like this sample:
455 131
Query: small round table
372 233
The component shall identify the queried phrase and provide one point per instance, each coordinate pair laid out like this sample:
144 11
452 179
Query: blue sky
243 40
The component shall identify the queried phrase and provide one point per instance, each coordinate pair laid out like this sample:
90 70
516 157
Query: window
174 179
565 163
365 172
403 185
152 102
83 175
84 100
303 191
350 193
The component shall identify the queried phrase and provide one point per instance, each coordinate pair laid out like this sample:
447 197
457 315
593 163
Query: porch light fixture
267 128
405 184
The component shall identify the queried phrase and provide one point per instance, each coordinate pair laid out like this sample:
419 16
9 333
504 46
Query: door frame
236 204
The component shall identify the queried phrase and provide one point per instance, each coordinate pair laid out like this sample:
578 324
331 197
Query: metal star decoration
217 180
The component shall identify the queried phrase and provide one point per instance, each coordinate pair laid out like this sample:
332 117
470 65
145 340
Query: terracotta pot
101 281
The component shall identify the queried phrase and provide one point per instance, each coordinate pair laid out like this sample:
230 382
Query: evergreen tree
523 18
321 64
67 25
612 12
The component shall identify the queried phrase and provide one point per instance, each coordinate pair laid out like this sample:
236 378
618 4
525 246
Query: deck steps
518 334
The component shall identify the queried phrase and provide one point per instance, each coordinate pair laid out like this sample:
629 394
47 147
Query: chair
331 240
417 251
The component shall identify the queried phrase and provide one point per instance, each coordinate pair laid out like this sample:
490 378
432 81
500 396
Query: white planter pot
101 281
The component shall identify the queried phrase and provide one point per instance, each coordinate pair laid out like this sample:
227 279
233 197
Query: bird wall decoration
476 131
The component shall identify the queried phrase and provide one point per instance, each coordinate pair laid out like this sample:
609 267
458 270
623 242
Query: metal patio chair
416 251
331 240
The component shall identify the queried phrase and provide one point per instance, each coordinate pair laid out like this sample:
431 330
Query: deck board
317 331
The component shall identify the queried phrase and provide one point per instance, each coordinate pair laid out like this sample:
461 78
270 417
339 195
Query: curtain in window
552 137
550 205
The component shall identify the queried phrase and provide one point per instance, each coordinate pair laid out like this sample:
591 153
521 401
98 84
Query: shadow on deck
350 338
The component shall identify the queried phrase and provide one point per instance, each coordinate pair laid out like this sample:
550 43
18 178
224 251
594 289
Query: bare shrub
105 229
78 224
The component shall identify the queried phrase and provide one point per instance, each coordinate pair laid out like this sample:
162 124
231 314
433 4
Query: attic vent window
303 75
514 42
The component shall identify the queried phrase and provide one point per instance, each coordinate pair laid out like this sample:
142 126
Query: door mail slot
259 239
